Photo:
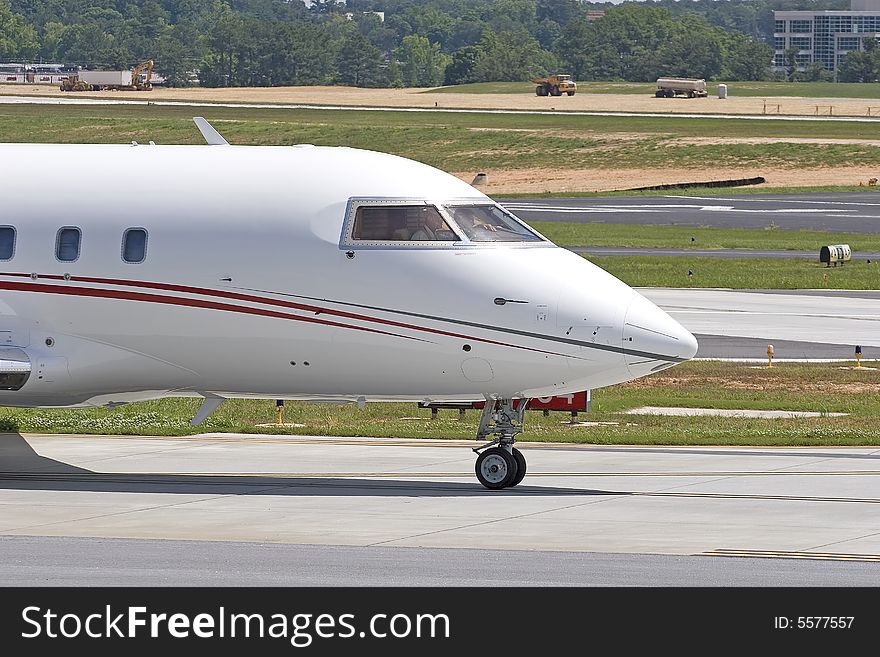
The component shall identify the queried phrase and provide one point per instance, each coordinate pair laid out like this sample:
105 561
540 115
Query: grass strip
788 386
740 273
701 237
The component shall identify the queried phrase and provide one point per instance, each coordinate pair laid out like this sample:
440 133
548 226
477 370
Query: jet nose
652 339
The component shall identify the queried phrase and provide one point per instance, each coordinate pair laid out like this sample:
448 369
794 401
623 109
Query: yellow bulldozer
73 83
555 85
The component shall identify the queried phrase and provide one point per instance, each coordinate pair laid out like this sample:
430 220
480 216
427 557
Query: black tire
570 93
495 468
660 93
520 467
554 91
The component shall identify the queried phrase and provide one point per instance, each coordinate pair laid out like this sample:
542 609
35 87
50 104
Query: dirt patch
583 134
582 102
827 387
537 180
710 141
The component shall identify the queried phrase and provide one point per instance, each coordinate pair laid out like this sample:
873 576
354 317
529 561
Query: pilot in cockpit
433 229
473 222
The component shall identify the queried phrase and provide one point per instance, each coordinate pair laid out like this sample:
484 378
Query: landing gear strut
500 464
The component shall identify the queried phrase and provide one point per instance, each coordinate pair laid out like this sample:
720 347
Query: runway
801 324
853 212
392 509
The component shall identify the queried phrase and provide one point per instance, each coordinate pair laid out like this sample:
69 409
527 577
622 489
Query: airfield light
858 356
279 412
769 355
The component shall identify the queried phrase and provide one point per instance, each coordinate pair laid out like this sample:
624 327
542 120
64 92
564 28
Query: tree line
419 42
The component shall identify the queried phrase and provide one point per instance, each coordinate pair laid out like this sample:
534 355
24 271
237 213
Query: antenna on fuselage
208 131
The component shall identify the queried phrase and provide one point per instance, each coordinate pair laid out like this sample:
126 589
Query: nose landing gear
496 468
500 464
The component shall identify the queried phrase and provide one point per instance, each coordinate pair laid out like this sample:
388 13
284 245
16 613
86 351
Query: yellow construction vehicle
111 80
136 82
73 83
555 85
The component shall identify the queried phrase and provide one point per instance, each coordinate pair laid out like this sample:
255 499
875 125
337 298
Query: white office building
824 36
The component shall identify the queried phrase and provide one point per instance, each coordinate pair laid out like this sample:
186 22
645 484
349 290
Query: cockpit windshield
489 223
401 223
406 223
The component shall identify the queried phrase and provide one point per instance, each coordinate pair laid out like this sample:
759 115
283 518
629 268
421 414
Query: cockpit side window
489 223
400 223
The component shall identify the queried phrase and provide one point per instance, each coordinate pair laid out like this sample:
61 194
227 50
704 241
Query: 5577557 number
813 622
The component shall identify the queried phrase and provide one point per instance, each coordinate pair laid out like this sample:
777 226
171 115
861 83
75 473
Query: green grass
679 237
102 124
803 89
804 387
461 142
740 273
759 89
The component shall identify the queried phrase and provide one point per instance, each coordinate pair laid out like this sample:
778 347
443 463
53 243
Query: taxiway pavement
811 324
734 513
853 212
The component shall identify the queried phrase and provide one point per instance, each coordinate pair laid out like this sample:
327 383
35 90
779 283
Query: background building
824 36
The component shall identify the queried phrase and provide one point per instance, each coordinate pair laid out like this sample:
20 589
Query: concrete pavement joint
616 496
86 464
848 540
149 508
498 520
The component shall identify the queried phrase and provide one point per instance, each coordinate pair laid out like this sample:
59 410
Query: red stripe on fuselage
238 296
73 290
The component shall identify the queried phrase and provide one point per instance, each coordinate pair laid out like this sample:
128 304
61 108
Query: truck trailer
111 80
106 78
690 87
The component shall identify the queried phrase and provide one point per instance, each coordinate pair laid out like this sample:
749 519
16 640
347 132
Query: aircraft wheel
520 467
496 468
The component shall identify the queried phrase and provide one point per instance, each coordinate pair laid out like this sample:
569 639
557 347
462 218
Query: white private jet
298 272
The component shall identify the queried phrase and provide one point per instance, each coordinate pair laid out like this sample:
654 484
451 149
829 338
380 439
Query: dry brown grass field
568 177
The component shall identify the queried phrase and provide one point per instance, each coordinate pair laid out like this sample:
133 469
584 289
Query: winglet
211 135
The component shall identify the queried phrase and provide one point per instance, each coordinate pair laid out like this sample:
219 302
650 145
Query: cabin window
7 242
134 245
67 244
401 223
489 223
